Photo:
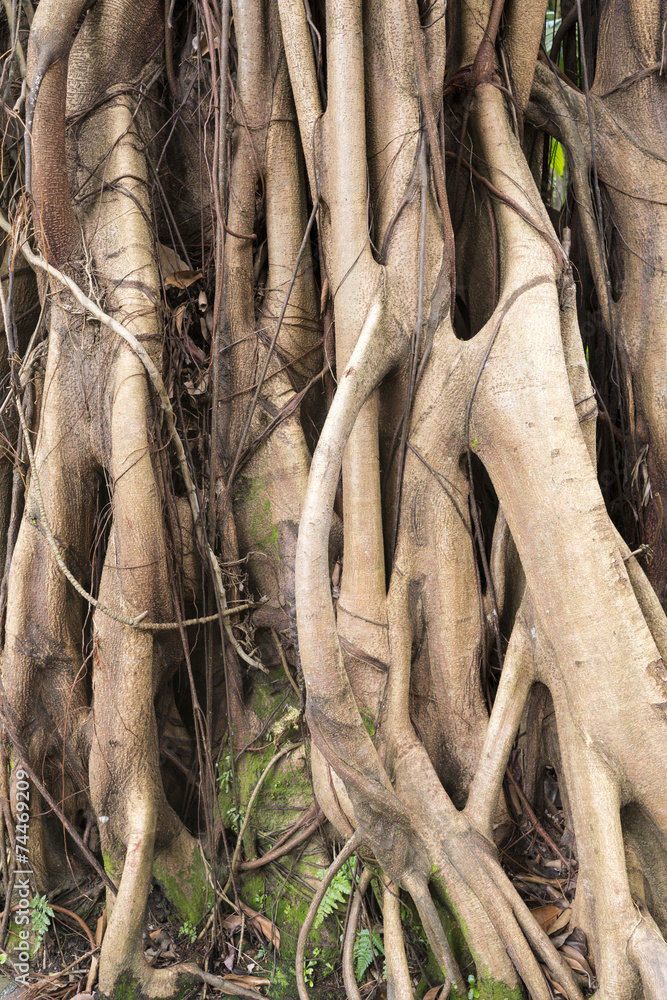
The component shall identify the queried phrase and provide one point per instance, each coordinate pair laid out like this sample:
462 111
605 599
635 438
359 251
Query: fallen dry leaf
163 938
204 44
101 927
546 915
176 272
231 954
577 939
516 801
263 925
169 260
182 279
552 982
576 961
561 922
267 928
541 880
179 314
231 923
558 939
433 993
200 389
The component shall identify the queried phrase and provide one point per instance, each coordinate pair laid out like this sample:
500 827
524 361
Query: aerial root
475 881
398 974
502 923
516 680
531 936
417 886
519 932
167 412
648 952
347 852
349 977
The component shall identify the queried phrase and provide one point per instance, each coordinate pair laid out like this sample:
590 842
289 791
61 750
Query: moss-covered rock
281 891
184 878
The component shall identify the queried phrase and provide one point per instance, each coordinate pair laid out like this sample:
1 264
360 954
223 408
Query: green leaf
363 952
41 918
557 157
189 931
337 892
366 948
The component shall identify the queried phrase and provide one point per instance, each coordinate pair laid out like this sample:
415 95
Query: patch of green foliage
189 931
367 946
40 916
338 891
310 965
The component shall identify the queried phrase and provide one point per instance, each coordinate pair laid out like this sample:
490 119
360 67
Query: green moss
111 865
281 985
369 721
287 788
281 892
264 533
188 890
284 902
283 988
453 924
128 987
490 989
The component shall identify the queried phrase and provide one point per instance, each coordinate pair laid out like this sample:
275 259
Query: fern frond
366 947
363 952
337 892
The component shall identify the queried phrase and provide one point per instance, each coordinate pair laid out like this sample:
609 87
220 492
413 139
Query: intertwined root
95 417
503 936
402 812
582 620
